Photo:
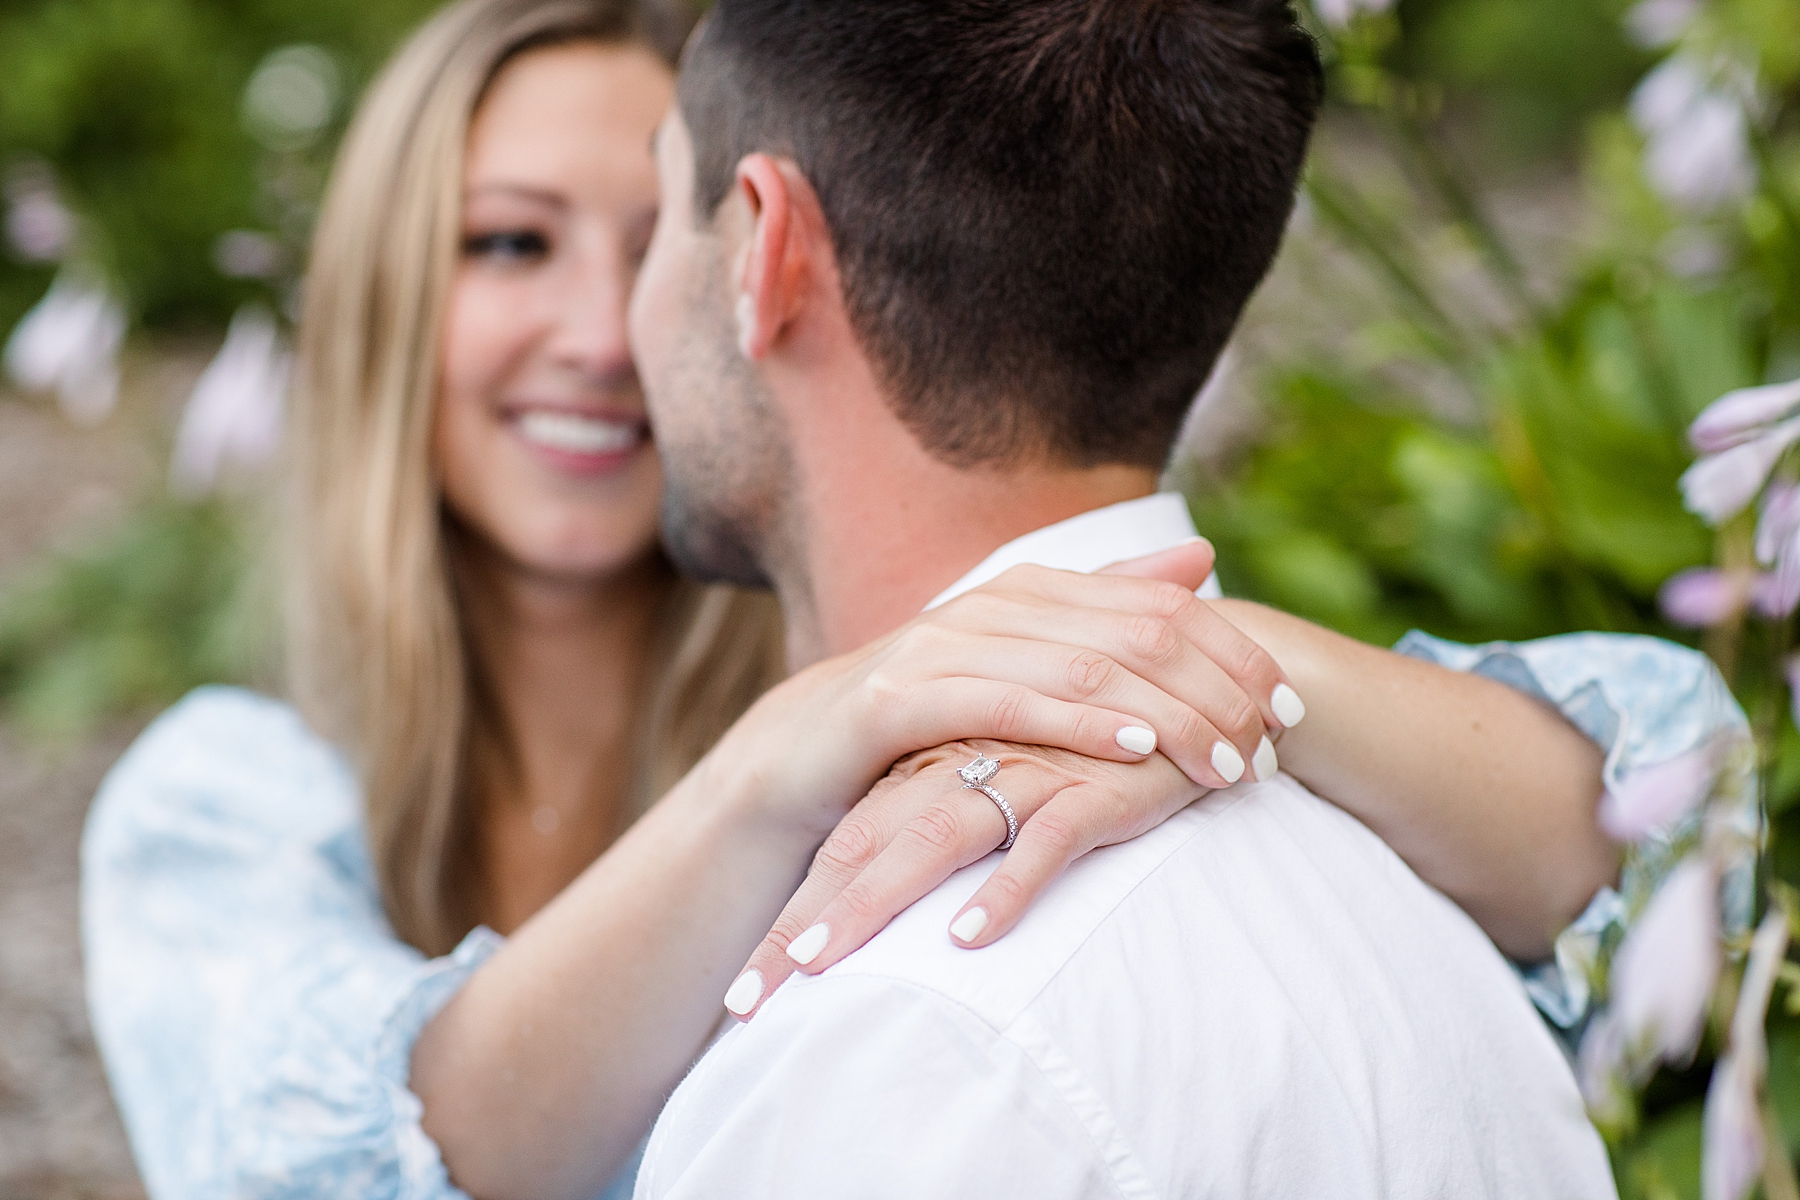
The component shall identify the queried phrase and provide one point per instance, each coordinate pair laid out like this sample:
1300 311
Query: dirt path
60 1137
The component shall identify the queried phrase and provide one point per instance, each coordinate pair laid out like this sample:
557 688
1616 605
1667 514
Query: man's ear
772 270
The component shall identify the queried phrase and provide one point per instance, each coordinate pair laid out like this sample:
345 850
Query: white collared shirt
1255 999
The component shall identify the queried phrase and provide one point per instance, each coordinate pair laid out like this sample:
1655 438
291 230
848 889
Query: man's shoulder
1155 894
1261 968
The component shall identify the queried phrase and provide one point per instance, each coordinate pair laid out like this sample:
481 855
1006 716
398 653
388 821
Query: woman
512 673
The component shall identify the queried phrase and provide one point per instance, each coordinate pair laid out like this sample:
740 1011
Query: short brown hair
1049 214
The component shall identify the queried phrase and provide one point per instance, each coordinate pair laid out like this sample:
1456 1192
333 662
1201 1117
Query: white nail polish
1289 709
1265 764
1228 762
1137 739
744 993
968 927
806 947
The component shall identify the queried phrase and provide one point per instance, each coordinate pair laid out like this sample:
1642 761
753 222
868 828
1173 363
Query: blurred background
1537 238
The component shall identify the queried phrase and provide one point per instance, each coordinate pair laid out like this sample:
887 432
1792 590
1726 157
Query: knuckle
937 829
787 928
858 907
1169 601
1089 673
1006 892
1011 712
1240 717
1249 661
847 851
1189 728
1152 639
1056 827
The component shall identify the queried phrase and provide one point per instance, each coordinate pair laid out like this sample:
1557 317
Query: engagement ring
975 777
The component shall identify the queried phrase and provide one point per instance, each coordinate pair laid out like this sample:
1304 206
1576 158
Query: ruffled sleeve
1644 702
255 1012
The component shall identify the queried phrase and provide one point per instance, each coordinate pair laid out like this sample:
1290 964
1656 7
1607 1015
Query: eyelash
508 246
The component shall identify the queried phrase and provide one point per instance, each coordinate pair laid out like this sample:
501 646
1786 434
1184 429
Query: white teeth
578 434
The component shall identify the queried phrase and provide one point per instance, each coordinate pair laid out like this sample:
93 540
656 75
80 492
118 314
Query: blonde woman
294 917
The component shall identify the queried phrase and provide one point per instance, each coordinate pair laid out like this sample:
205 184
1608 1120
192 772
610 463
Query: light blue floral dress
257 1015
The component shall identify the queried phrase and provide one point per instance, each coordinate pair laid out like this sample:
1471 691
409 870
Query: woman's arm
541 1075
1488 789
1491 795
254 1009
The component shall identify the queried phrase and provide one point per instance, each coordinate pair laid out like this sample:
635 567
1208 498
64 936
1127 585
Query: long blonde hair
378 648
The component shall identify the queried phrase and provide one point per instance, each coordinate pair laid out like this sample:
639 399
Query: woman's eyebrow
523 191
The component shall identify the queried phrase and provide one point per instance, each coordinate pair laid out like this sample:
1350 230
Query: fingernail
806 947
968 927
1289 709
1137 739
744 993
1228 762
1265 763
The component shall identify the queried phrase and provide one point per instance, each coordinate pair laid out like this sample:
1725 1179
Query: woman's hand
1115 666
920 824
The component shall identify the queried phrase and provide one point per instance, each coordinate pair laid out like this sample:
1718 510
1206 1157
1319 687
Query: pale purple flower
1650 798
246 254
69 344
1732 1154
38 227
1790 668
1339 13
1665 970
1697 150
1741 416
1703 597
1719 486
1777 522
291 96
1734 1145
1599 1068
1693 253
1654 24
234 417
1777 595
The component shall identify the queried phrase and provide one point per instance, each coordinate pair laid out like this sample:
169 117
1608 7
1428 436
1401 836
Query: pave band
975 777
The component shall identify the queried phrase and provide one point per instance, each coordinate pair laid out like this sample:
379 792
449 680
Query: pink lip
574 462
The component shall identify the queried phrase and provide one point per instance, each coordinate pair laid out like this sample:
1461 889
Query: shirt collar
1091 541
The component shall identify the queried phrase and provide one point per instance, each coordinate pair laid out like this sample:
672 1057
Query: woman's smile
580 441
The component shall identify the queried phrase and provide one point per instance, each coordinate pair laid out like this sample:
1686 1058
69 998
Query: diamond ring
975 777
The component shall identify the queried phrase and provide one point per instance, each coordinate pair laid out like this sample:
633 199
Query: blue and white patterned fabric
1644 702
257 1014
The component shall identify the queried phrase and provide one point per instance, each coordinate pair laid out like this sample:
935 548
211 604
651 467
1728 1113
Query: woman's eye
509 246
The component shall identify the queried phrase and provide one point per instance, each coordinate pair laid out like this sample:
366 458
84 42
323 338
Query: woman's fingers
1189 565
1204 718
911 834
1120 725
963 826
862 835
1112 806
1150 616
919 828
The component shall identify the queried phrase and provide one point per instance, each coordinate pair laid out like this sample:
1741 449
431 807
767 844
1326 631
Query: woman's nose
590 330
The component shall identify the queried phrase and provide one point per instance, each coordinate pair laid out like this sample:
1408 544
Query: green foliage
163 604
136 104
1530 71
1550 501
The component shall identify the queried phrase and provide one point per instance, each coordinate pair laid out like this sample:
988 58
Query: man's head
1043 218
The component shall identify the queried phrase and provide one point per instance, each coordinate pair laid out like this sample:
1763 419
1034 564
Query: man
932 287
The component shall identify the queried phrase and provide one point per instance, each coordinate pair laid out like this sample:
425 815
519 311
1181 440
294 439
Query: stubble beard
727 496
